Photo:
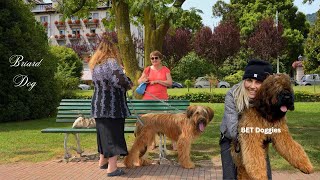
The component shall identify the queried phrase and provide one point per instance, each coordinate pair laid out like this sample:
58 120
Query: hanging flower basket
45 24
77 21
96 21
69 35
85 21
56 22
61 22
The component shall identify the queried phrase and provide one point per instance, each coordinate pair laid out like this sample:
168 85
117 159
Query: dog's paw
189 165
307 169
128 163
146 162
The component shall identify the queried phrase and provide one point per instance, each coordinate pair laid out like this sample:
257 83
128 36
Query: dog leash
156 98
134 111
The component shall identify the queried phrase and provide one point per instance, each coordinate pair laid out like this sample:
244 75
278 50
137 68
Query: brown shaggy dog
180 127
266 122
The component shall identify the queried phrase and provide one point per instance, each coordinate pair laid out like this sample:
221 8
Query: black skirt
110 137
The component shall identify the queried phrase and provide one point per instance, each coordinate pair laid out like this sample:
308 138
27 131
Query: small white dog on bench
82 122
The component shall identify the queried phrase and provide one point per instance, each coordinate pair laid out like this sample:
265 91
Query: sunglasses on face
155 58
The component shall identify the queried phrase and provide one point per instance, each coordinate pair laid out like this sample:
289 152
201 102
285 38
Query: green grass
23 141
182 91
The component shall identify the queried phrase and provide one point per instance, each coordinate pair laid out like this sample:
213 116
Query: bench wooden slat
72 120
145 107
133 100
127 129
145 103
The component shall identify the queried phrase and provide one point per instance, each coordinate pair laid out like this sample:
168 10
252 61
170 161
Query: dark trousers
229 169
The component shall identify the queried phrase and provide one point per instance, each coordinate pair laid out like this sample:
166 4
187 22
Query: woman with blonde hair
236 101
108 105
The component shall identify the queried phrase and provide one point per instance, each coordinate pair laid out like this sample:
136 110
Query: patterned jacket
110 86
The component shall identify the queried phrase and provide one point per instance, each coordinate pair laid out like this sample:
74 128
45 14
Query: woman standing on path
108 105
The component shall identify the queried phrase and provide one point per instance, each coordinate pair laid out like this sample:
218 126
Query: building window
61 43
75 31
62 32
43 19
108 15
94 16
73 18
93 30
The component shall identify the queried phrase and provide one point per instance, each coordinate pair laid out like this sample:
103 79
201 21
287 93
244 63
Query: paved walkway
89 171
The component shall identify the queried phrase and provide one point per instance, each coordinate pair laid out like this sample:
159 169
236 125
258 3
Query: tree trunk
154 33
127 50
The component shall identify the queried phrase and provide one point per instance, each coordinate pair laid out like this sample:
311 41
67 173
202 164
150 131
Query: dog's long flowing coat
270 105
180 127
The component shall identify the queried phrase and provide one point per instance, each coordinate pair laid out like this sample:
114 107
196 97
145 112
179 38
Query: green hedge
216 98
300 96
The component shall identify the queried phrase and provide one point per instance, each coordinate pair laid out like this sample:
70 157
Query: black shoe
117 172
105 166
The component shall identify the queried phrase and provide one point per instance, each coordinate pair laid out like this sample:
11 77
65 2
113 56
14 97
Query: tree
190 20
203 42
226 41
176 46
312 49
190 67
266 41
26 91
216 47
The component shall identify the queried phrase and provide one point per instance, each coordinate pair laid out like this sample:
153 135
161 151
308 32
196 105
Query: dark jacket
110 86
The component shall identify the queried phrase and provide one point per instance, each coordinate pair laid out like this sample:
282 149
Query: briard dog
181 128
265 122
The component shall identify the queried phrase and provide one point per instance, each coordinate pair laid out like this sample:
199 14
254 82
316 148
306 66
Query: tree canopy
312 49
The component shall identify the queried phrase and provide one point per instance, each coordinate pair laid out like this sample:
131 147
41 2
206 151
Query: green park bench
70 109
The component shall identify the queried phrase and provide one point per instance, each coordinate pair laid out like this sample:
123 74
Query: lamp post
277 33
